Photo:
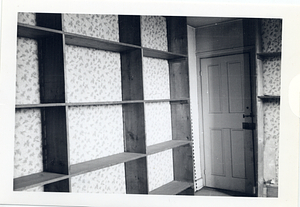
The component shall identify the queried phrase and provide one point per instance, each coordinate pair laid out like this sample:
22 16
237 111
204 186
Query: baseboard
271 191
198 184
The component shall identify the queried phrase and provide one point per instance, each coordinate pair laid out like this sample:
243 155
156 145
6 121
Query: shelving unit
264 99
54 107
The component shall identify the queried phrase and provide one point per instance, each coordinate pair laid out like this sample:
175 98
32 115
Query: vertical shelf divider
133 114
52 21
180 112
54 129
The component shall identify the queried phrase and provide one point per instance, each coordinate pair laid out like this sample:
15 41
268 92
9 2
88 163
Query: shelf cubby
96 43
100 163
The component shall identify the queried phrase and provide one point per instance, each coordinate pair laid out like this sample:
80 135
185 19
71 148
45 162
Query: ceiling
203 21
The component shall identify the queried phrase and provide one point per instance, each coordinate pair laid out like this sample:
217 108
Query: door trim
211 54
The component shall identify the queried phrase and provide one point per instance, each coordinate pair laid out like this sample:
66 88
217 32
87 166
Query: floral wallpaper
92 75
94 132
272 76
271 32
35 189
271 42
158 122
28 142
271 133
94 25
154 32
26 18
156 79
27 74
160 169
108 180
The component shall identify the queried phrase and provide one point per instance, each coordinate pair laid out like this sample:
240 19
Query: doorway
227 123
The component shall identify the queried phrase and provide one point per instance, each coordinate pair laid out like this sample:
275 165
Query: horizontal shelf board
186 100
104 162
166 145
35 32
269 97
23 106
263 55
96 43
37 179
127 102
103 103
147 52
172 188
43 105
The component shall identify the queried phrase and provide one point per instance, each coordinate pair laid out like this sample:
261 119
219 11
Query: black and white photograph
167 107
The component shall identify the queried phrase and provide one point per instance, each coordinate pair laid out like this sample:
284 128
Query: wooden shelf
24 106
37 179
104 162
96 43
147 52
263 55
266 97
35 32
166 145
44 105
172 188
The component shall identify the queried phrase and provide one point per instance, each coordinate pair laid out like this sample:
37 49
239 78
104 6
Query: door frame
253 85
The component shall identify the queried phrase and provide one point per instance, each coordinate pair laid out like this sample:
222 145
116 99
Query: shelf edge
37 179
171 188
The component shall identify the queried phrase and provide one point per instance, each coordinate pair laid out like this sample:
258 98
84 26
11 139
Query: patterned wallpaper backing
92 75
156 79
28 142
271 131
26 18
272 76
271 42
158 123
95 131
27 74
271 31
154 32
108 180
94 25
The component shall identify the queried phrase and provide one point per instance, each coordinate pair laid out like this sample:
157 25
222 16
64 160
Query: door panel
228 148
237 153
235 86
214 80
217 152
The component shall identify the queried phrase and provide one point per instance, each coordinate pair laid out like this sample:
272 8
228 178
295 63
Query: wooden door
228 146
